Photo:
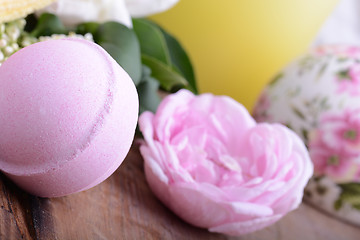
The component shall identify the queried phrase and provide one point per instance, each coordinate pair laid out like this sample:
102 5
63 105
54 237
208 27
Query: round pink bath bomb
68 116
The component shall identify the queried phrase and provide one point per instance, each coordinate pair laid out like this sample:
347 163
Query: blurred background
237 46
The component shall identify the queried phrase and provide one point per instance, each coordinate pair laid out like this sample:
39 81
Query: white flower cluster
87 36
13 38
10 34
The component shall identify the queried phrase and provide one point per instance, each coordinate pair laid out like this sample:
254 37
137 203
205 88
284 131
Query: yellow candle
236 46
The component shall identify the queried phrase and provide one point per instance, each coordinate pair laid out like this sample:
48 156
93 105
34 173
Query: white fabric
343 25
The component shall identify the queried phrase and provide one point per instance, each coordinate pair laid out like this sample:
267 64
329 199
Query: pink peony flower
209 162
333 162
335 146
342 130
349 80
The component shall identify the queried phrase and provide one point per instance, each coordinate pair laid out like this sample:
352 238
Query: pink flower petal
245 227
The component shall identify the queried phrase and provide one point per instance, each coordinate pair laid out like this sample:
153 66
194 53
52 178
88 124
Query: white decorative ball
318 96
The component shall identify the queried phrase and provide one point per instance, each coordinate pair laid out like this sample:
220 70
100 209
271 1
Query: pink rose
209 162
335 146
332 162
349 80
342 130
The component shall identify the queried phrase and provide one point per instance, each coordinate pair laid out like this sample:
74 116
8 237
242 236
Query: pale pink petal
159 187
167 109
146 126
245 227
153 165
205 209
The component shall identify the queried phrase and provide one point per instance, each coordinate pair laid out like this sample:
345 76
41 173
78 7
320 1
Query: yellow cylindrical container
236 46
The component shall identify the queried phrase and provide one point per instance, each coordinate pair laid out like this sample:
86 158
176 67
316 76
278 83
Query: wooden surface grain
123 207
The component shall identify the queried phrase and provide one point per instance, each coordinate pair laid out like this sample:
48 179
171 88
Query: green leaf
344 75
123 45
351 198
89 27
152 40
159 44
338 204
148 92
47 25
276 79
350 194
288 125
350 187
342 59
298 112
322 70
166 75
124 59
305 134
180 60
356 206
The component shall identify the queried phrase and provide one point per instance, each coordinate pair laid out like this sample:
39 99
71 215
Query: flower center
350 134
333 160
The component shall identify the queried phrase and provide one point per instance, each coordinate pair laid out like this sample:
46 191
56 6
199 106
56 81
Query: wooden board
123 207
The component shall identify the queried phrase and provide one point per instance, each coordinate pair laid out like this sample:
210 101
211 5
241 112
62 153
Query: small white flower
2 57
87 36
13 32
2 28
15 46
8 50
73 12
26 42
3 43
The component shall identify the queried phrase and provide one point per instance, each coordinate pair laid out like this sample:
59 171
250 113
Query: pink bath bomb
68 116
